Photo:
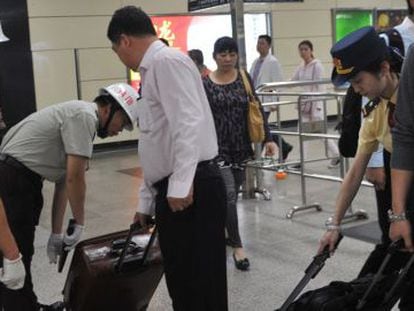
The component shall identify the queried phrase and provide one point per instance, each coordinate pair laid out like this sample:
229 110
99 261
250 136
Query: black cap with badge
355 52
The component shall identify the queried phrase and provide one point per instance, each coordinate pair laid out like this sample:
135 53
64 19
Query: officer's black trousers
21 194
192 243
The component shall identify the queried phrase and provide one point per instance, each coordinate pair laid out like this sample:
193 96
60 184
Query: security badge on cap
339 68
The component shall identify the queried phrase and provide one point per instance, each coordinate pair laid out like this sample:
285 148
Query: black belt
164 181
9 160
206 163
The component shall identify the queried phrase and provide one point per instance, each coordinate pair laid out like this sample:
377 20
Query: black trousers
192 243
277 138
374 260
21 193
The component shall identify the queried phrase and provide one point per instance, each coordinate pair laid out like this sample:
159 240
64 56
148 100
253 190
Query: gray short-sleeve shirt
44 139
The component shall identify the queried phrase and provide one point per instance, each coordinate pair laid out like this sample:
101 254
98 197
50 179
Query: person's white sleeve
252 67
181 89
146 202
377 158
276 72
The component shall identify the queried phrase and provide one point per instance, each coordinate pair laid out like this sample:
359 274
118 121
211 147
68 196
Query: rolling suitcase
372 292
118 271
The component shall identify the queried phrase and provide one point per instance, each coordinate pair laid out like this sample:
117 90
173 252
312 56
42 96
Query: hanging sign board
194 5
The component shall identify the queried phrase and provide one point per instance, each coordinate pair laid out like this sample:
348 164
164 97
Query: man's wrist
332 227
333 224
396 216
12 254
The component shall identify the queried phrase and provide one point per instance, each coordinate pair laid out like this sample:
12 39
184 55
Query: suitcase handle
391 250
311 271
134 227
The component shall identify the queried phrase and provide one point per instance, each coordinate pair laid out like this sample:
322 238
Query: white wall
59 27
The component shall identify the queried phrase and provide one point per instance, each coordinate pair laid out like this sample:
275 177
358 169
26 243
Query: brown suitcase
106 275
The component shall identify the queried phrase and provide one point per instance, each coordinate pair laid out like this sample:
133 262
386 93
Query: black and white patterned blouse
229 106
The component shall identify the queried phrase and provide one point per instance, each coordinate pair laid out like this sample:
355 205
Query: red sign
174 29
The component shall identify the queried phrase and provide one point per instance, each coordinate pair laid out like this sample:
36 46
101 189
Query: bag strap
246 83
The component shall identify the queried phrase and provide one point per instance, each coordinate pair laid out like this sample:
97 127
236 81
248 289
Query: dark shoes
334 163
242 264
57 306
295 167
286 149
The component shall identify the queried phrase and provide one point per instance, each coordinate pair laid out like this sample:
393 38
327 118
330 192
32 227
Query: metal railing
254 181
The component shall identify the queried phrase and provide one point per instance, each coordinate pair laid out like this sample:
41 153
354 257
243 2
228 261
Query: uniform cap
355 52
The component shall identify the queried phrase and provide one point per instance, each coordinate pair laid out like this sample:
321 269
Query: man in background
198 59
265 69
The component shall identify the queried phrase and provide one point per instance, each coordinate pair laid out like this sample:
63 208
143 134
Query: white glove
71 240
12 274
54 246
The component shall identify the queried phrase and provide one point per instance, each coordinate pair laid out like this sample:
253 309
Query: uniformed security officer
54 143
363 59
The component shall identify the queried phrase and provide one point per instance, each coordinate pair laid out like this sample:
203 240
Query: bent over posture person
363 59
54 143
182 184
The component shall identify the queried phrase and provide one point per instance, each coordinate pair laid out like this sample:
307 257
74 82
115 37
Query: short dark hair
225 44
165 41
410 8
105 100
129 20
393 57
267 38
197 56
306 42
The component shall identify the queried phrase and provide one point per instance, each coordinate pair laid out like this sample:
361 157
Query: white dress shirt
406 30
270 71
176 125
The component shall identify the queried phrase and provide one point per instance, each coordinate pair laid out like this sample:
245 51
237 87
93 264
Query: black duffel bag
344 296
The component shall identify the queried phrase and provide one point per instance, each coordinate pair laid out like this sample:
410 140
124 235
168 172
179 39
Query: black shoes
57 306
242 264
286 149
295 167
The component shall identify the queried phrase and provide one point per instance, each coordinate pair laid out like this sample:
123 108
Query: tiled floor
279 249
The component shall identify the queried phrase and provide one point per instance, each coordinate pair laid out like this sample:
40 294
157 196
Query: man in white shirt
266 68
177 145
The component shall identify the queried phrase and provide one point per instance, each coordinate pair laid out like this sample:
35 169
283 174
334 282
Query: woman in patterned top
229 105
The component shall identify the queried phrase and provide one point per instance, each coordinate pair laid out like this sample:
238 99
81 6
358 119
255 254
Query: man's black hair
410 8
225 44
131 21
197 56
267 38
165 41
105 100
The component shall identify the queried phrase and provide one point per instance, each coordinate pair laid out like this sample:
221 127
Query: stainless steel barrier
254 180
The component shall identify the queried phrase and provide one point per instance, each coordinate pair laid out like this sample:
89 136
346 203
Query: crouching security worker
53 144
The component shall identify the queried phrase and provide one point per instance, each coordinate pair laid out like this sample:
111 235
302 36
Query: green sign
347 21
